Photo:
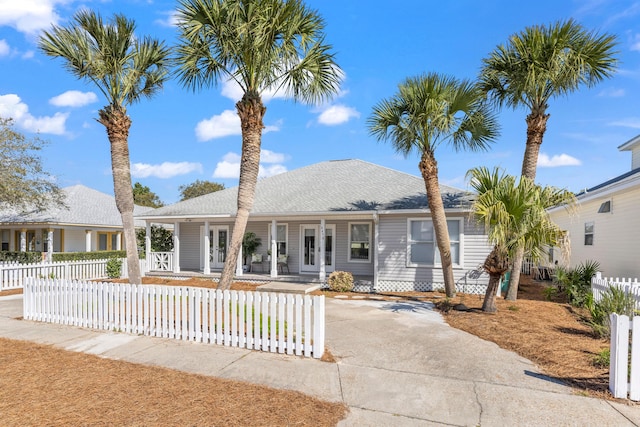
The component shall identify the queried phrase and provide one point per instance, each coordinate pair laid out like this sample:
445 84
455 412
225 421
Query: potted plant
250 243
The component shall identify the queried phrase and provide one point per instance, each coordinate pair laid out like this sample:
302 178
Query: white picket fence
624 382
14 275
599 285
274 322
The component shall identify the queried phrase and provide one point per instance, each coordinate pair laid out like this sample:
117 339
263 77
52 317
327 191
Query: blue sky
180 136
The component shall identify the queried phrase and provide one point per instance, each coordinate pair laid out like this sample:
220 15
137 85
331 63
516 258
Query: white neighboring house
346 215
90 221
606 228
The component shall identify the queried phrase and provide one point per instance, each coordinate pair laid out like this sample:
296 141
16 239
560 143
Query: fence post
618 356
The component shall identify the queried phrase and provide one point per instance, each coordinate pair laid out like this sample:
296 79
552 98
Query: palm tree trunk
251 111
117 124
495 264
429 169
536 127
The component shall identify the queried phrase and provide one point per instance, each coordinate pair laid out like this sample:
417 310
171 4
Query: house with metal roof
88 221
606 227
345 215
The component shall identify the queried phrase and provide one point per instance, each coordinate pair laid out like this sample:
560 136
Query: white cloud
11 106
28 54
229 167
4 48
544 161
612 93
29 16
170 19
635 42
225 124
73 98
629 122
164 170
233 91
337 114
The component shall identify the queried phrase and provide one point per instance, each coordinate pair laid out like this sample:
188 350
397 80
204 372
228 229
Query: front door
219 244
219 238
310 248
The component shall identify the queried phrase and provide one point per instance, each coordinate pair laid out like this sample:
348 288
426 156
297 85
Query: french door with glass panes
310 248
218 246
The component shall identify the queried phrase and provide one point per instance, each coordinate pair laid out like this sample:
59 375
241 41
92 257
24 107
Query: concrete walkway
399 364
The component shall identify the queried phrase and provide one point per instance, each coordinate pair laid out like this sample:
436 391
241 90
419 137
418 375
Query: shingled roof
331 186
84 206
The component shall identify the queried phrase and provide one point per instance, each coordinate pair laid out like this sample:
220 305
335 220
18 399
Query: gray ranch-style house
89 221
346 215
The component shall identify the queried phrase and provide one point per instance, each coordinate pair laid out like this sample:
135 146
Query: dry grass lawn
40 385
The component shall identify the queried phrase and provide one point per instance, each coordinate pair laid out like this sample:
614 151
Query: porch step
289 287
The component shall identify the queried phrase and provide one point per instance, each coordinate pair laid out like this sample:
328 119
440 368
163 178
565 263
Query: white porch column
375 250
176 247
207 249
49 244
274 249
87 240
23 240
323 268
239 263
147 245
119 241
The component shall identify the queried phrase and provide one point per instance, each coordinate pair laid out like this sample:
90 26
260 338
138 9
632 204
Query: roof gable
331 186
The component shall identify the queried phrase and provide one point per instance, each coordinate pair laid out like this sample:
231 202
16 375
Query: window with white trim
422 249
281 239
359 241
588 233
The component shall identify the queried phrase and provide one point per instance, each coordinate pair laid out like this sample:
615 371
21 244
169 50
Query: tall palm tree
514 214
427 111
261 45
125 69
535 66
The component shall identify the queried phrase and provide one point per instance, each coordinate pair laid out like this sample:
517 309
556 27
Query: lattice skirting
401 286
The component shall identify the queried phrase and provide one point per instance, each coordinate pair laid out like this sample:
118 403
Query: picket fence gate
274 322
624 381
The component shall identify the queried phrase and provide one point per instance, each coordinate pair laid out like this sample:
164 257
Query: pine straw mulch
42 385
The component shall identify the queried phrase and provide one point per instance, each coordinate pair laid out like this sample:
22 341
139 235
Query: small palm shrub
340 281
114 268
614 300
576 283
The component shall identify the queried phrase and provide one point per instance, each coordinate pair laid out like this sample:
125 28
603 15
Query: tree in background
535 66
23 182
514 213
261 45
198 188
125 68
161 238
427 111
143 196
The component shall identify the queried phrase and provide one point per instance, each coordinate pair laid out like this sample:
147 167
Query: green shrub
21 257
549 292
576 283
614 300
340 281
602 358
88 256
114 268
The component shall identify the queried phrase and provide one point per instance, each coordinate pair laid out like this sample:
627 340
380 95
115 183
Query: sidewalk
399 364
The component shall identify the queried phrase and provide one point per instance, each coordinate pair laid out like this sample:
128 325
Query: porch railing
160 261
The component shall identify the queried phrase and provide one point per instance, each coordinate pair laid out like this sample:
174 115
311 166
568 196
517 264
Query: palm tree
125 69
535 66
426 111
261 45
514 215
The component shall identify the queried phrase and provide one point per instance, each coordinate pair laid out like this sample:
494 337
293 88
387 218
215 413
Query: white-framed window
282 234
359 242
422 248
588 233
